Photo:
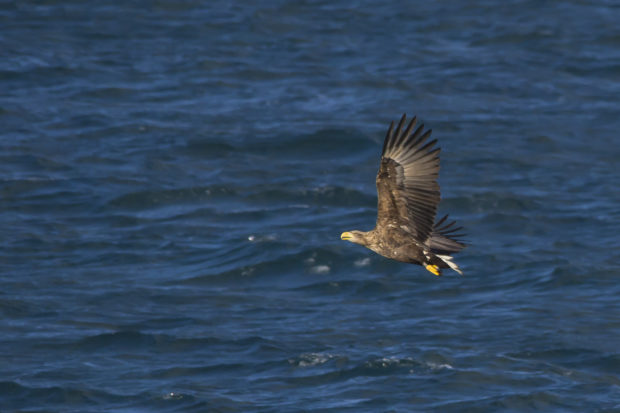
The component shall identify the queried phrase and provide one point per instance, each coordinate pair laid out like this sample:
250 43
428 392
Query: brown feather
407 185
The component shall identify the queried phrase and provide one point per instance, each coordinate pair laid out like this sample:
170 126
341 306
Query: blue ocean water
175 175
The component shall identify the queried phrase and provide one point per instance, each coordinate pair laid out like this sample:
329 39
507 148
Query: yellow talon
434 269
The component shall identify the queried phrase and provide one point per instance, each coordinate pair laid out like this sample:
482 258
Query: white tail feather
448 260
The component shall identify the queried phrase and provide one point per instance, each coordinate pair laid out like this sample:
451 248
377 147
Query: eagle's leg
434 269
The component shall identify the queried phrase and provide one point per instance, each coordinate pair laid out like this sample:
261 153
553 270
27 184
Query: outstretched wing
446 238
407 188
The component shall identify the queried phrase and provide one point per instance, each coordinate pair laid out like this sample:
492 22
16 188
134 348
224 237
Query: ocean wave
23 397
317 368
316 359
136 340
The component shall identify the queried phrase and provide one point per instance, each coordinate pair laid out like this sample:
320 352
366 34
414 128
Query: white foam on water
320 269
363 262
312 359
439 366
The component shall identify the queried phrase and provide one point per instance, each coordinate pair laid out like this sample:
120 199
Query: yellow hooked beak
346 236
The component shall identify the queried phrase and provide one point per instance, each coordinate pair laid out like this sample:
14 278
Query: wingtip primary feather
397 137
388 137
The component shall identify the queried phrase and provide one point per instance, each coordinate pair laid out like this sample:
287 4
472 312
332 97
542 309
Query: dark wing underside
445 238
407 188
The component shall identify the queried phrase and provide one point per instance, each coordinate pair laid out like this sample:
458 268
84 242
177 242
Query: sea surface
175 176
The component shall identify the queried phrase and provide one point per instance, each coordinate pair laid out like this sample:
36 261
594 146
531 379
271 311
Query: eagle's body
408 195
394 243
